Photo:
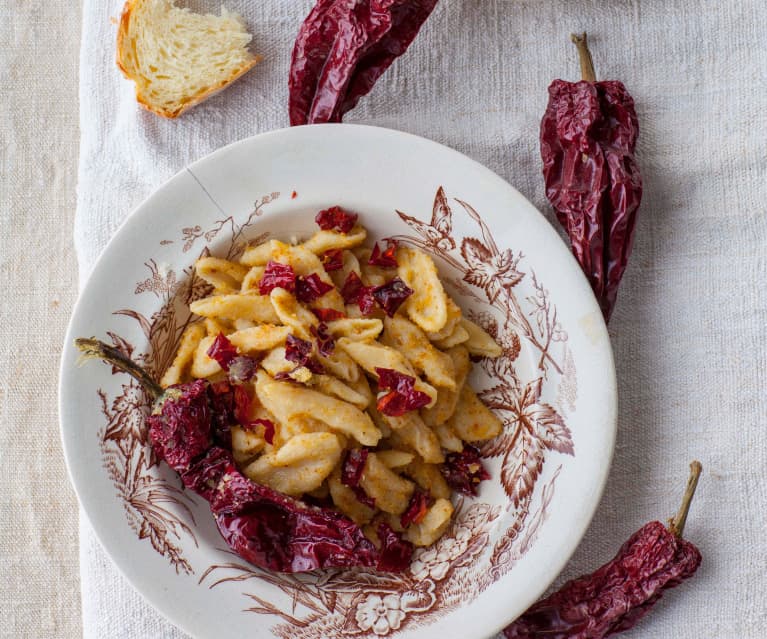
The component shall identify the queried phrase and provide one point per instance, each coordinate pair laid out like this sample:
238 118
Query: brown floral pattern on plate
484 541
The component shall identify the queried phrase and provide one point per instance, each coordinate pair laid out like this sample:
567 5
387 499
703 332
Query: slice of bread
178 58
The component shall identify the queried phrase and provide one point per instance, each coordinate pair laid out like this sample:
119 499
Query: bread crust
123 45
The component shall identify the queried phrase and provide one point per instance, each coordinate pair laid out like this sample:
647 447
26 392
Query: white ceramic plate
554 387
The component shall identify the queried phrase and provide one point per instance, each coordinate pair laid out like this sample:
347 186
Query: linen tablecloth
39 588
688 330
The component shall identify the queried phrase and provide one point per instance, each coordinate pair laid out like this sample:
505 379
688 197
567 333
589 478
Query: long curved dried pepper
341 50
617 595
588 138
188 428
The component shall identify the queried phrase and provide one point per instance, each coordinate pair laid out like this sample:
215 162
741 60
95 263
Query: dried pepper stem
96 349
587 63
676 524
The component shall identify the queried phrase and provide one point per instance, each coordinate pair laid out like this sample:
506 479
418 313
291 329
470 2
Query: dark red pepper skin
274 531
180 428
617 595
269 529
204 475
464 471
341 50
588 137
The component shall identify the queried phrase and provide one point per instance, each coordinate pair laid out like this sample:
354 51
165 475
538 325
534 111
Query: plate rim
65 365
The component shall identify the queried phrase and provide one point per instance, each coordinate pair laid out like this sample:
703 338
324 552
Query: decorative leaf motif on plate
473 553
439 233
156 508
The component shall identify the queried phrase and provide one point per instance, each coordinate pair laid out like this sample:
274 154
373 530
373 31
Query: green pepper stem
584 55
96 349
676 524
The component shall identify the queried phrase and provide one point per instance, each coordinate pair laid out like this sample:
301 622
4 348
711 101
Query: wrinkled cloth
688 328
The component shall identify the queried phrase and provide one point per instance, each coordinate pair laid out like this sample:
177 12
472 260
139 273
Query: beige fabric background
39 578
688 331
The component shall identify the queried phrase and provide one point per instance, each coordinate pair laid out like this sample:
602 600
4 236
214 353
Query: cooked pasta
333 370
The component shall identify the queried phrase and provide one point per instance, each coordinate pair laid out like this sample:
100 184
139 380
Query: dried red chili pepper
417 508
402 396
328 314
620 593
464 471
336 219
269 529
390 296
355 292
353 467
311 287
333 260
267 426
301 353
351 473
325 342
342 48
223 351
588 137
277 275
386 258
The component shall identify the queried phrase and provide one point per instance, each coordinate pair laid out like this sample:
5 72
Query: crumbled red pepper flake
351 473
268 426
222 411
363 497
220 388
350 291
463 471
391 295
366 301
241 404
325 343
328 314
277 275
336 219
353 467
223 351
333 260
299 351
386 258
355 292
395 553
402 397
293 195
311 287
242 369
416 509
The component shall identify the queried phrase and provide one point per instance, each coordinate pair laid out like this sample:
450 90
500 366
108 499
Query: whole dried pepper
269 529
620 593
341 50
588 137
